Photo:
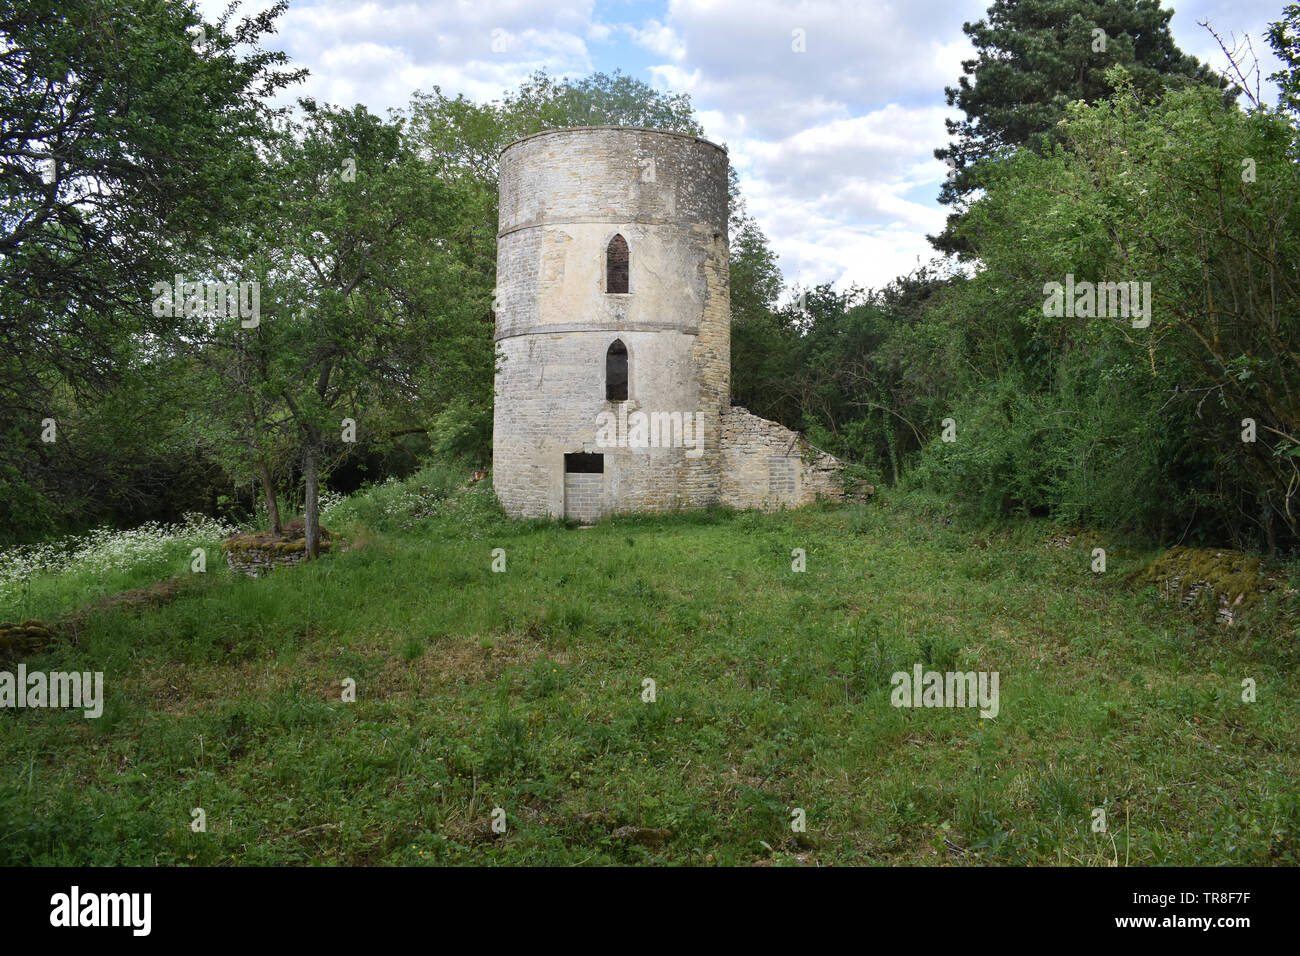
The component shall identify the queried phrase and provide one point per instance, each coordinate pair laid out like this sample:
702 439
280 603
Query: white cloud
381 51
658 39
740 57
834 199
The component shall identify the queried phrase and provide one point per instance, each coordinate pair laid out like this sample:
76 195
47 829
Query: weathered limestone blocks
255 554
613 242
23 640
565 196
766 465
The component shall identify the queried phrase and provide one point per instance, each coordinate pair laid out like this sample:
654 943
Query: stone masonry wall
764 466
583 496
564 195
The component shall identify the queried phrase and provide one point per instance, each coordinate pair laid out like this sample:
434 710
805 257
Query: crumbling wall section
766 465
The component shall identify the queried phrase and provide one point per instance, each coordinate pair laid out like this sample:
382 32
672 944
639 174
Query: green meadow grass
523 690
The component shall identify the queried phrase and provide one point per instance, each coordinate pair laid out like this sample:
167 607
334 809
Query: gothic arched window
616 265
616 372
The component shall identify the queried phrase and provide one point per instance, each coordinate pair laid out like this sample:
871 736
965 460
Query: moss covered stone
1233 581
23 640
257 552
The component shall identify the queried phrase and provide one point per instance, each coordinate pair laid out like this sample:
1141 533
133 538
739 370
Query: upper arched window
616 372
616 265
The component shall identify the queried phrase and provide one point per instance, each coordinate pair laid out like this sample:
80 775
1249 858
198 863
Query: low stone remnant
23 640
1233 581
645 836
858 490
258 552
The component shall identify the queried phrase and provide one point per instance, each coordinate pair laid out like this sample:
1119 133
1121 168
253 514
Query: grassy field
523 690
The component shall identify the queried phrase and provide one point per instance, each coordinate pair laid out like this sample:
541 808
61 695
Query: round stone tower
612 323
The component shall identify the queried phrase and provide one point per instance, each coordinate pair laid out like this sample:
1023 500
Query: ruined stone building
614 336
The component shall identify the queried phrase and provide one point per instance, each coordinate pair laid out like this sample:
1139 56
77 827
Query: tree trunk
272 503
311 502
1270 537
893 445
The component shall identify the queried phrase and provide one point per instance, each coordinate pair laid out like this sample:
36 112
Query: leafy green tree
755 273
366 295
463 138
597 100
1094 416
128 132
237 414
123 138
1033 58
761 359
1284 38
855 370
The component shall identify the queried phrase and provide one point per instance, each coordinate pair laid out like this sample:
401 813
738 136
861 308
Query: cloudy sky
833 144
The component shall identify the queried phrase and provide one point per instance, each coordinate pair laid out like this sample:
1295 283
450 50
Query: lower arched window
616 372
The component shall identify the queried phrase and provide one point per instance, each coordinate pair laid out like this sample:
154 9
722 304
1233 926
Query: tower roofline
631 129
